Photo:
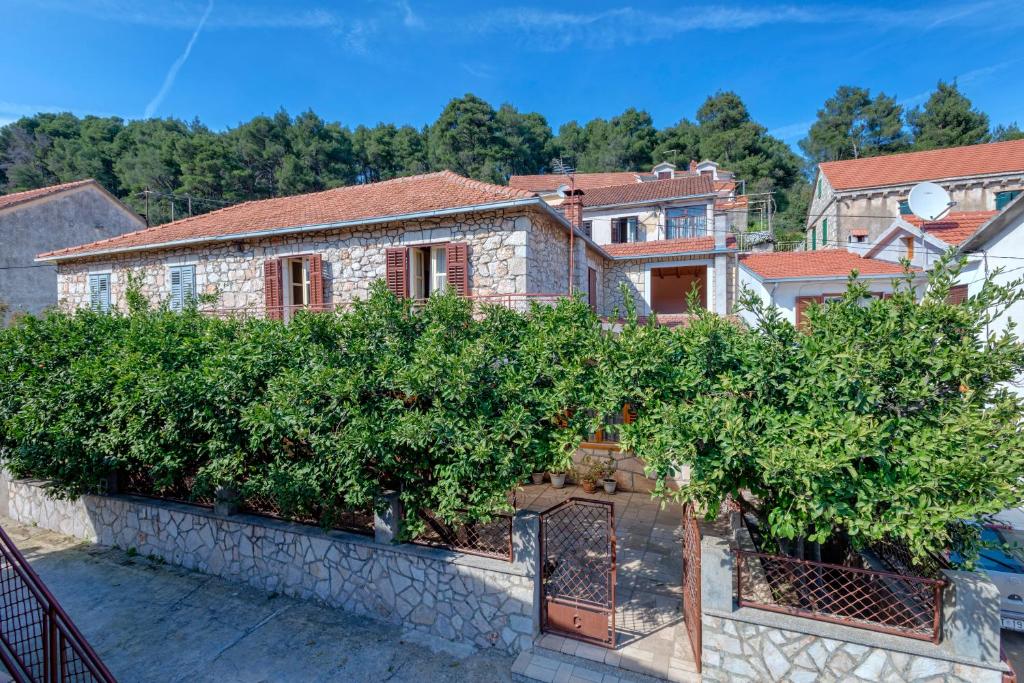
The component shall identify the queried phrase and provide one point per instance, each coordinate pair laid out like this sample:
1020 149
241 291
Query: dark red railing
691 581
489 539
887 602
38 642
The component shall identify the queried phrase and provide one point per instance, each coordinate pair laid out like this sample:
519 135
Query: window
905 207
429 270
99 292
819 188
908 247
183 286
664 175
1004 198
588 228
293 283
624 230
686 221
957 294
608 434
814 238
824 232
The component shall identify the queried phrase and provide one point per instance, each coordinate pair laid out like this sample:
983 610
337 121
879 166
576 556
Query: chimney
572 207
693 165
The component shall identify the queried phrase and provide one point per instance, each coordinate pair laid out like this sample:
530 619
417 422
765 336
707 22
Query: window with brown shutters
315 264
458 267
957 295
397 264
272 289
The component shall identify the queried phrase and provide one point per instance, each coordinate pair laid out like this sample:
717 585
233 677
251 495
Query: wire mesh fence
182 490
489 539
356 520
880 601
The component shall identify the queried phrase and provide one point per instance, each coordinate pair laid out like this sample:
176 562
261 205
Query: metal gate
691 580
577 539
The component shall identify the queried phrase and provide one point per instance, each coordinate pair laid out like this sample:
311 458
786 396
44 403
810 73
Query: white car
1005 569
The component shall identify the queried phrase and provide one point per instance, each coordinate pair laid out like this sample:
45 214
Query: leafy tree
624 143
678 145
523 142
147 159
729 136
319 156
852 124
948 119
881 418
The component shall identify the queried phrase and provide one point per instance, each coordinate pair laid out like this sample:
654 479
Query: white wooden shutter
99 292
176 299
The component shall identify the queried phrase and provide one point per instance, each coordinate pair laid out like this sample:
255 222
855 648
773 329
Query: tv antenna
929 201
562 168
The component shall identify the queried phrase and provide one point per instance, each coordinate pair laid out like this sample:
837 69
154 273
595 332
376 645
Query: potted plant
608 480
591 471
538 477
558 477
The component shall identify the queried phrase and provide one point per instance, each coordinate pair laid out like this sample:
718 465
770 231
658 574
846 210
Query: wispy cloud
172 73
478 70
793 131
409 18
559 29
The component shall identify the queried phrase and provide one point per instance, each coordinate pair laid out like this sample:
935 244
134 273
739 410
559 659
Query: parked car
1006 570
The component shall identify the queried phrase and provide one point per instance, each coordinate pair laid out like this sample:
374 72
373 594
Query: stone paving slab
152 622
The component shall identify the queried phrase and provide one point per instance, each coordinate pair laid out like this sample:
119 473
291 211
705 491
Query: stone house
51 218
421 234
854 201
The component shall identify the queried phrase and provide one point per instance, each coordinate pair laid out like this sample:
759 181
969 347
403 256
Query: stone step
553 660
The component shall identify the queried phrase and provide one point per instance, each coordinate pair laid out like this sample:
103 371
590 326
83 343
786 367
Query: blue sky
401 60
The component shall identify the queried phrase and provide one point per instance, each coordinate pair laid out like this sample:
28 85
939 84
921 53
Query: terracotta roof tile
782 265
16 198
414 194
955 227
687 186
859 232
664 247
549 182
936 164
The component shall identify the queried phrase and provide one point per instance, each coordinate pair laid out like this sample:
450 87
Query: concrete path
152 622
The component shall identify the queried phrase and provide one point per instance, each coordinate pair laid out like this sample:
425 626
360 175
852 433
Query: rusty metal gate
691 580
577 539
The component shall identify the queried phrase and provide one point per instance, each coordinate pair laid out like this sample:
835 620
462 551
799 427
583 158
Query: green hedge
450 408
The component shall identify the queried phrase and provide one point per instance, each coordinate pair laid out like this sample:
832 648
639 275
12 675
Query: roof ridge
510 192
923 152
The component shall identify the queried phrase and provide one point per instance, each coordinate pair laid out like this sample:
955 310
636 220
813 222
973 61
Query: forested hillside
282 154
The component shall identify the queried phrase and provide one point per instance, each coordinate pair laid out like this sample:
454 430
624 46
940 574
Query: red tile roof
16 198
936 164
415 194
664 247
955 227
548 182
687 186
783 265
859 232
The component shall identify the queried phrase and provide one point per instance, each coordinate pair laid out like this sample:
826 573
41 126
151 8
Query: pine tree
948 119
852 124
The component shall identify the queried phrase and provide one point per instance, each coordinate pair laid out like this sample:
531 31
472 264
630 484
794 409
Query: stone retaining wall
473 600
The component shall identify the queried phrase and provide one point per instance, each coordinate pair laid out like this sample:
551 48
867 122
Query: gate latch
577 622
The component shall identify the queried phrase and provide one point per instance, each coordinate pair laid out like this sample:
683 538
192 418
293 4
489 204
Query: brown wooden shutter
272 289
458 267
397 262
592 288
957 295
801 306
316 283
628 413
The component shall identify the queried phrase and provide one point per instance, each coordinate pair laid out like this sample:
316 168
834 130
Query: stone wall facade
353 258
479 601
738 652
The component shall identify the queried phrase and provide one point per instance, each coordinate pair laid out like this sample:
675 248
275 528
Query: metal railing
38 641
788 246
886 602
355 520
489 539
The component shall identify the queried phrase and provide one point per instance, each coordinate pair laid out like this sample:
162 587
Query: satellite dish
929 201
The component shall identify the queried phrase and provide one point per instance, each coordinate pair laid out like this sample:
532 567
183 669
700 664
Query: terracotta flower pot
538 477
588 486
